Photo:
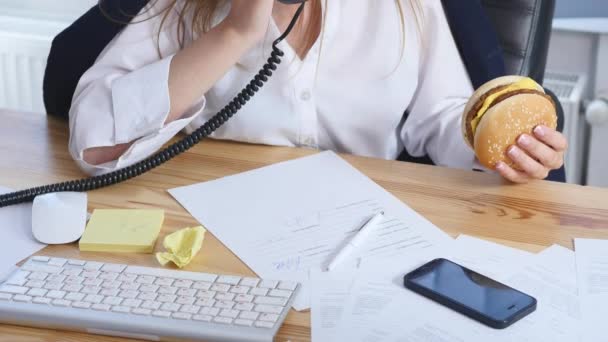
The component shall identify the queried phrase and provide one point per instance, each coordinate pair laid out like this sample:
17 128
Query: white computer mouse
59 217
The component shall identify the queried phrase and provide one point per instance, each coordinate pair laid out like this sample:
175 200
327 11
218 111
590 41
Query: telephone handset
174 149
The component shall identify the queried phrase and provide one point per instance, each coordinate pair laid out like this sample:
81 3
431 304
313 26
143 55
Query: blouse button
305 95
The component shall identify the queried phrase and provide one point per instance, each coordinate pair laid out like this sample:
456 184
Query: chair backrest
523 28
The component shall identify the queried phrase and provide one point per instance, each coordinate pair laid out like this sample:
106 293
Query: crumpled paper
182 246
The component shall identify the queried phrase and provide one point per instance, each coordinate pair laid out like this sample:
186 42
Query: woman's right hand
249 18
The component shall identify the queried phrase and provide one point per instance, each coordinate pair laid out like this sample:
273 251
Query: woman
350 71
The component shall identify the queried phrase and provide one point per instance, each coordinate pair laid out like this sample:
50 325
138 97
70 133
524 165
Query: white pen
359 237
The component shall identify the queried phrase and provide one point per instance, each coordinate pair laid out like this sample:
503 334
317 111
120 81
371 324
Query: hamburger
500 111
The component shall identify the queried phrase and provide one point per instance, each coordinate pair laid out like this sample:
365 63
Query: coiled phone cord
172 150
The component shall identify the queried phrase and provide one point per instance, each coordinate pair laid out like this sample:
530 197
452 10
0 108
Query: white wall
61 10
581 8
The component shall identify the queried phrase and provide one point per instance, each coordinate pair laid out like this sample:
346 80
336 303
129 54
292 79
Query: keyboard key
223 320
76 262
109 292
209 311
92 265
160 313
92 282
270 300
205 294
43 268
249 315
239 289
14 289
91 289
61 302
72 287
101 307
111 284
261 324
181 315
35 283
133 303
229 313
90 274
82 305
205 302
201 285
220 287
128 294
140 311
231 280
121 309
191 309
95 299
5 296
167 290
57 262
56 294
147 296
145 279
127 277
71 272
108 275
41 300
185 300
18 278
243 322
74 296
150 304
114 268
22 298
287 285
183 283
131 286
251 282
243 298
243 306
40 258
202 318
38 276
74 280
280 293
258 291
53 286
268 309
269 317
112 300
224 304
224 296
164 281
186 292
148 288
170 307
37 292
268 284
166 298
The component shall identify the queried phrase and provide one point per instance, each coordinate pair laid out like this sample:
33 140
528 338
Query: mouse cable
169 152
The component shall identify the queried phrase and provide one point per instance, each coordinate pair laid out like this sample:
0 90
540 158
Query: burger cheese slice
500 111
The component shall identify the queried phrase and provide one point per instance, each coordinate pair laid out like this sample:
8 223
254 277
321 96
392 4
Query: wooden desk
33 152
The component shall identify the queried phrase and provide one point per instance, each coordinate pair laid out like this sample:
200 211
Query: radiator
24 47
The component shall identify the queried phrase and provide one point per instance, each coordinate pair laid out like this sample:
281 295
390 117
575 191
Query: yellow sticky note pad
182 246
122 230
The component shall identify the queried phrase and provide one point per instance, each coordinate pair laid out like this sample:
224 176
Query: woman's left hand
535 155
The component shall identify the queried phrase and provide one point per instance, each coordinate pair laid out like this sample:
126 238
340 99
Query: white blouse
349 94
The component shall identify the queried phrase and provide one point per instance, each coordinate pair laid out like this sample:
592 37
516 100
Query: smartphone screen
470 293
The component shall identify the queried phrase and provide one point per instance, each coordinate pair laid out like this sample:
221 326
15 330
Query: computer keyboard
143 302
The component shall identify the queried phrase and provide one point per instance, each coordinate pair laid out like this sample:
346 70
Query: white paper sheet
286 218
386 311
18 242
592 274
329 292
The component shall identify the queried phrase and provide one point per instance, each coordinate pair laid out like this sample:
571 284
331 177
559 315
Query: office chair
498 37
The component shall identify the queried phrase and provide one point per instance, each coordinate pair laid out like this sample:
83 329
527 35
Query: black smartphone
470 293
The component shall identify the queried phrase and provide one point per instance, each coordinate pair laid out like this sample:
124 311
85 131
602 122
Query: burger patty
471 115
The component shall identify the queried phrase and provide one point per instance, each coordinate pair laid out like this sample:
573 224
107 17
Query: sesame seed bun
511 114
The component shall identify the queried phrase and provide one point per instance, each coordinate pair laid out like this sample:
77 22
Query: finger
530 166
513 175
551 137
547 156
